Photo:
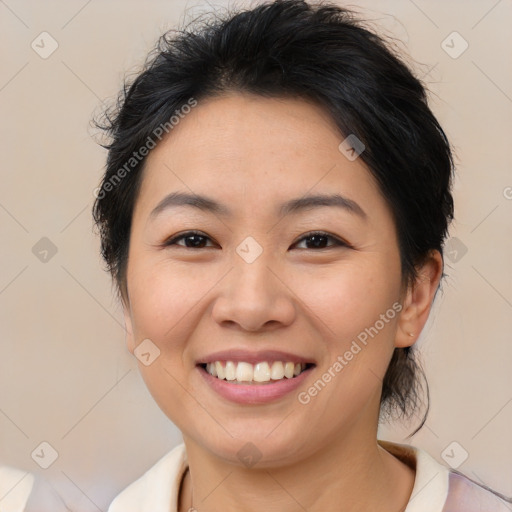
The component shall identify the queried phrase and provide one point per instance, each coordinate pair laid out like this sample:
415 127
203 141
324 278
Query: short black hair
319 52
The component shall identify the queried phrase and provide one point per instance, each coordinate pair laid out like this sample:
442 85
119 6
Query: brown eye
313 240
320 239
192 240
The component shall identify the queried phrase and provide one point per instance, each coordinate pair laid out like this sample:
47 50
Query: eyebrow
201 202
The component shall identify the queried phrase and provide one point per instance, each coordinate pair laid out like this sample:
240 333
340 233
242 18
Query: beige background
65 375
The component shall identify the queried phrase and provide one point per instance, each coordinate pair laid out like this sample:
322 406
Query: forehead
241 148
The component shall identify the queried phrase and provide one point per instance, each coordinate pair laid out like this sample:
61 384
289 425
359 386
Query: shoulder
15 488
440 489
157 489
465 495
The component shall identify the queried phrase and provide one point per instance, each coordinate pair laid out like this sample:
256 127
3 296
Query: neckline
431 479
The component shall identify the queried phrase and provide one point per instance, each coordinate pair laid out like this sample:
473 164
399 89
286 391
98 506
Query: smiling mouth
264 372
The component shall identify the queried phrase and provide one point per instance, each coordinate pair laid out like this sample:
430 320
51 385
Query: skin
251 154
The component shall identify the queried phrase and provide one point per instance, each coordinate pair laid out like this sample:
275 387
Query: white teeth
277 371
220 370
210 368
260 372
230 371
288 370
244 372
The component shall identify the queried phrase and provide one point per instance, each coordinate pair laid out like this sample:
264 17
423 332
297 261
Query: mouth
247 377
261 373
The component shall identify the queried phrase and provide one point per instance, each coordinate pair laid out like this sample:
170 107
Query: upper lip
253 357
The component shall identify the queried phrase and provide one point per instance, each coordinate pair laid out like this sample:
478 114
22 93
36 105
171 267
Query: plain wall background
66 376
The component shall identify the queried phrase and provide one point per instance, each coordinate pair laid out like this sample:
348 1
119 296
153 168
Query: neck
350 473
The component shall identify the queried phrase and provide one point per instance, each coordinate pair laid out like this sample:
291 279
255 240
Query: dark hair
289 48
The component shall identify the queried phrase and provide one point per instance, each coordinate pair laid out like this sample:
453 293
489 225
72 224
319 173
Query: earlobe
418 301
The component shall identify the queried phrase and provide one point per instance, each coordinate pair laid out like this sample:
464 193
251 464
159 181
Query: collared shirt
436 488
23 491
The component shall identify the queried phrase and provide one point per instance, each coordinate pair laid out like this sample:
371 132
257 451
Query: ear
130 339
418 300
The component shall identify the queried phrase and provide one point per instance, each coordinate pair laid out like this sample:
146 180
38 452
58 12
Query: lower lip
253 393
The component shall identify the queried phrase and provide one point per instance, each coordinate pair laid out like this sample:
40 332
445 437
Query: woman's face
257 286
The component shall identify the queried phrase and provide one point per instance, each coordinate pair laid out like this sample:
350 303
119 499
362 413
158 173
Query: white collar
158 488
431 482
15 488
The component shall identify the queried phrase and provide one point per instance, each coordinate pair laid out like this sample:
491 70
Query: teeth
219 370
230 371
277 371
288 370
244 372
210 368
260 372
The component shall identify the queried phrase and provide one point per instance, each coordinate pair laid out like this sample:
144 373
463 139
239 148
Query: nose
253 297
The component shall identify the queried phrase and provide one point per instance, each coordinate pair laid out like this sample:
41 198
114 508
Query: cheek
164 297
353 309
349 297
165 301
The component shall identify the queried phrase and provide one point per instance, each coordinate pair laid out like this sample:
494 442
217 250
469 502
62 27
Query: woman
273 212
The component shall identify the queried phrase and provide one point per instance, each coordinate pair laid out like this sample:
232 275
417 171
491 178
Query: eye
318 240
198 240
192 239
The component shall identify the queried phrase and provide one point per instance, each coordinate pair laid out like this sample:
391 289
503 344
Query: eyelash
337 241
